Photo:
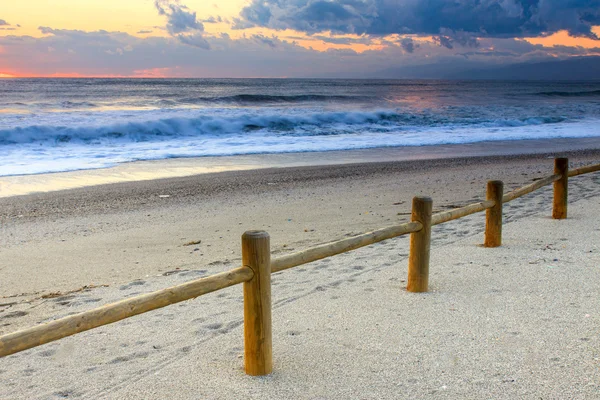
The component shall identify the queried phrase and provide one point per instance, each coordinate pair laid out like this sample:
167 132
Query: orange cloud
562 38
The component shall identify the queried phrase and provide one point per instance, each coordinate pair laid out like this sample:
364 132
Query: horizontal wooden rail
67 326
457 213
522 191
584 170
342 246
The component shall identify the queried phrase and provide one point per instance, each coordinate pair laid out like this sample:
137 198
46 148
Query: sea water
53 125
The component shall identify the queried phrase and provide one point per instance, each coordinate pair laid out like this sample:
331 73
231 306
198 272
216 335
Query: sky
287 38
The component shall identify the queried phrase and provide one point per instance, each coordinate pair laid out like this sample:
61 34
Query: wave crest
206 126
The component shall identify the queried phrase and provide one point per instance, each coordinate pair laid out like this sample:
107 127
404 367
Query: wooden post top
424 199
255 234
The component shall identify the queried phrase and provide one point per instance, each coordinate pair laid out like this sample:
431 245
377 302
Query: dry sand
520 321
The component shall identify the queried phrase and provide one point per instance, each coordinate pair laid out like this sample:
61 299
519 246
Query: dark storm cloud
455 21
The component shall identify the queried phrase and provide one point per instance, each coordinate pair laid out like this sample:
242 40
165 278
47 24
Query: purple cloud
455 22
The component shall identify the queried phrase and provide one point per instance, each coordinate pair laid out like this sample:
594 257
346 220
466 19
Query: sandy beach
519 321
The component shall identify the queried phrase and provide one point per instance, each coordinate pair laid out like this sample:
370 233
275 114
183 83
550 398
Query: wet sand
180 167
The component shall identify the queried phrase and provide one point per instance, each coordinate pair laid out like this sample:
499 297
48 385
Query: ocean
54 125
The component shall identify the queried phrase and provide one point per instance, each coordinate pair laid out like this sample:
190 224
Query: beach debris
397 204
164 196
192 243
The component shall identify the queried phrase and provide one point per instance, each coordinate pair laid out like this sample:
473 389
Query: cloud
272 42
103 53
182 23
444 41
179 19
118 51
343 40
454 22
142 32
213 20
408 45
4 23
195 40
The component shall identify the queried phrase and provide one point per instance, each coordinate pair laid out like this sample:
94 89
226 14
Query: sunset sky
286 38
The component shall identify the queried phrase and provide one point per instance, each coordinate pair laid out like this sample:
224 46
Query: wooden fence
257 267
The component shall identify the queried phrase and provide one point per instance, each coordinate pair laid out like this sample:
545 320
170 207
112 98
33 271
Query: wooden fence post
418 260
561 188
258 342
493 216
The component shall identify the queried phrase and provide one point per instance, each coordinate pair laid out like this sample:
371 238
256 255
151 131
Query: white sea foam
41 149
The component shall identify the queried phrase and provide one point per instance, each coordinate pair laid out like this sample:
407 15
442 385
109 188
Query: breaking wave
315 124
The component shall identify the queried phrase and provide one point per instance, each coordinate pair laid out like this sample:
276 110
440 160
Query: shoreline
20 185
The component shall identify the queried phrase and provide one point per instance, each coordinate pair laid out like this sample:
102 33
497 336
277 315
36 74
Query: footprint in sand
132 284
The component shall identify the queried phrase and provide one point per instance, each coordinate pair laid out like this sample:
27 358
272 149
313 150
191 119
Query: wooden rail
584 170
67 326
522 191
342 246
457 213
257 268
